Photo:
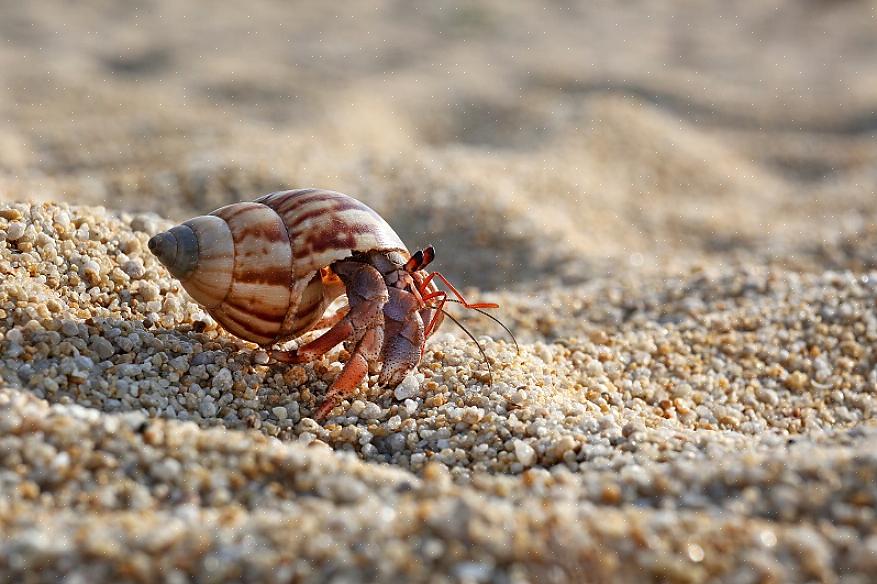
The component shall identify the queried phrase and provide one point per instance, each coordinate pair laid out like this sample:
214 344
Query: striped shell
258 267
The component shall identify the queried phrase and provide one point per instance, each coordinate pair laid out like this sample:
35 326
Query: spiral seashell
261 268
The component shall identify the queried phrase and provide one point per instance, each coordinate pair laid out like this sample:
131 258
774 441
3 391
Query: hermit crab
268 270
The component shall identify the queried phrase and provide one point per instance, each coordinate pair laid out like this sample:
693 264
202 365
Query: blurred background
532 143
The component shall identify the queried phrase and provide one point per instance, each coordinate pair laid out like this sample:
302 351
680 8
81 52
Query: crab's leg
363 324
437 315
403 338
367 294
319 346
332 319
367 350
339 332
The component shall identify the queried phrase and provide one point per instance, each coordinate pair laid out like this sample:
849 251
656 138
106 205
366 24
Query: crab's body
267 270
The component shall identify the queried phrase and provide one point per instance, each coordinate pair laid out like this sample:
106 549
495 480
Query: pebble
149 291
408 388
371 411
15 231
396 442
134 269
525 453
91 270
103 348
207 407
223 380
410 406
69 328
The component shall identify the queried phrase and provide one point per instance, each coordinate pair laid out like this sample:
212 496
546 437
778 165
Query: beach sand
674 205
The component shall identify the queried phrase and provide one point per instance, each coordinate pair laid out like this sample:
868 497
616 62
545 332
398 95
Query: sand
673 204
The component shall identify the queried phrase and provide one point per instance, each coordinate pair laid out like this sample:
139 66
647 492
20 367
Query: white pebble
148 291
524 453
410 406
15 336
394 423
15 231
371 411
91 270
518 397
134 268
409 388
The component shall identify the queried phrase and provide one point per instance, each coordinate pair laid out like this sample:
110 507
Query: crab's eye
415 262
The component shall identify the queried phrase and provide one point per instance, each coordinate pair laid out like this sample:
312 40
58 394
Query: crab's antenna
418 261
477 344
442 296
423 286
493 318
